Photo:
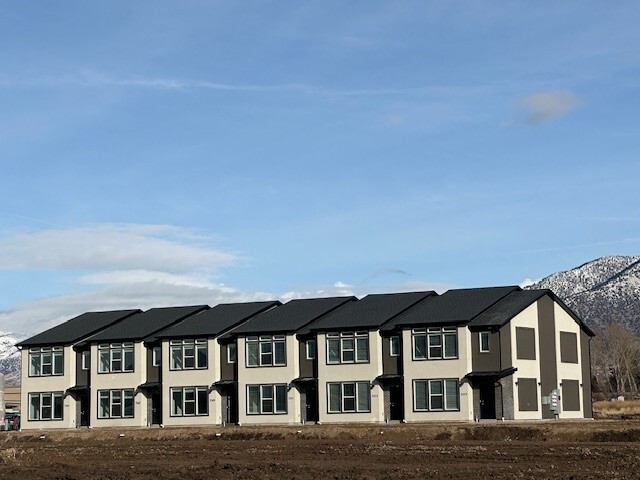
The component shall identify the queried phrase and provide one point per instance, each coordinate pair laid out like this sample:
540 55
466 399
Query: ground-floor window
349 397
436 395
188 401
45 406
266 399
115 403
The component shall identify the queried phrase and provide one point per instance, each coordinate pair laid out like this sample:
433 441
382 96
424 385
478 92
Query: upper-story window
394 346
188 354
45 361
156 356
232 353
435 343
348 347
85 359
266 351
115 357
484 341
310 346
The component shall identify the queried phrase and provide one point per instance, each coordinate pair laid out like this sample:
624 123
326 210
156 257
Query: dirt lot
587 449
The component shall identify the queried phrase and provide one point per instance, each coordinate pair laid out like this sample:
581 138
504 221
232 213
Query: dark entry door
396 403
312 403
84 410
487 400
156 408
231 415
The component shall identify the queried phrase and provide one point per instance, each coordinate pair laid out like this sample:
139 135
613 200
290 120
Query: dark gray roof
370 312
217 320
507 308
454 307
514 303
77 328
291 316
146 324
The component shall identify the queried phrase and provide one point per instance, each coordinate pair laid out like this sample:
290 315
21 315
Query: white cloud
543 107
527 282
113 247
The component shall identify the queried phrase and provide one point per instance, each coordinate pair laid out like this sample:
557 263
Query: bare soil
561 449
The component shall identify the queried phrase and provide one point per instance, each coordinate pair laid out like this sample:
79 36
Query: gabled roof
78 328
291 316
454 307
370 312
514 303
146 324
217 320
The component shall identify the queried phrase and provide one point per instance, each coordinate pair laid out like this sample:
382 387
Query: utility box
554 401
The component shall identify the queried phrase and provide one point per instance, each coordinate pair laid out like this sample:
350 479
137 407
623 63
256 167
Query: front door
84 410
156 408
312 403
487 400
231 415
396 403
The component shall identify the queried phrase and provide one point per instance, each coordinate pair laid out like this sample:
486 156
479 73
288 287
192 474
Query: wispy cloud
544 107
93 79
161 248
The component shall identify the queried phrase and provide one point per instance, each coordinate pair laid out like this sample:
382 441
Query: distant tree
615 358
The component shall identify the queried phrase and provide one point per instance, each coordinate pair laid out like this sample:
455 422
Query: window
115 403
266 399
156 356
86 360
394 346
188 354
232 353
45 406
525 343
348 347
484 341
435 343
189 401
349 397
46 361
311 349
568 347
266 351
436 395
115 357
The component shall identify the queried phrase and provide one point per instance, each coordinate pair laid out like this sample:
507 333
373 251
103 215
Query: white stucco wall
568 371
192 378
438 369
526 368
269 375
119 381
351 372
53 383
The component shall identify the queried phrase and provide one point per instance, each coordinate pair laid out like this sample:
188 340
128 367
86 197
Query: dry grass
625 408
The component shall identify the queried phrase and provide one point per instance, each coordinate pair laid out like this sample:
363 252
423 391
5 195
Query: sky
159 153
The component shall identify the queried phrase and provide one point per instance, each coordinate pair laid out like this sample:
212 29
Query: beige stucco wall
526 368
192 378
113 381
351 372
269 375
568 371
435 369
54 383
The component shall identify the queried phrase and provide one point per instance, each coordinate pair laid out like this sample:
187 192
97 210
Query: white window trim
261 398
433 332
56 355
52 396
180 346
308 354
196 409
346 336
113 349
156 356
342 397
85 360
429 395
394 352
235 353
122 403
486 335
262 341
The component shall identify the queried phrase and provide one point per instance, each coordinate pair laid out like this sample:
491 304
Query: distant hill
9 360
601 292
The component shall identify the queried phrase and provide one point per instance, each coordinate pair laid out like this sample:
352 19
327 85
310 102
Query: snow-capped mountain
9 359
603 291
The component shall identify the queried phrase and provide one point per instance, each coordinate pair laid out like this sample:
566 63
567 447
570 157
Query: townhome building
358 373
269 387
465 355
198 378
54 377
490 353
120 385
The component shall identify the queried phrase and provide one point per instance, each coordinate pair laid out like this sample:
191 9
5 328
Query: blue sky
160 152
